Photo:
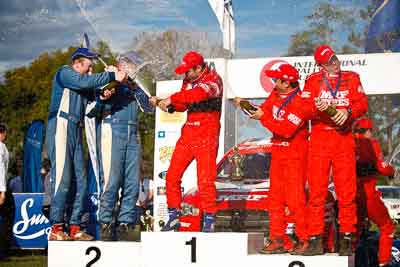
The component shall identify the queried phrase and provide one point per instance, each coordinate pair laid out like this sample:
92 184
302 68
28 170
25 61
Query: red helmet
363 124
284 72
323 54
190 59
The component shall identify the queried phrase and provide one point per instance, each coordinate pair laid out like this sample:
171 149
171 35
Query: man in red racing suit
370 163
284 114
332 145
201 96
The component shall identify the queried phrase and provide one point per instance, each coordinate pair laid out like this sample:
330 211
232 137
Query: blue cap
83 52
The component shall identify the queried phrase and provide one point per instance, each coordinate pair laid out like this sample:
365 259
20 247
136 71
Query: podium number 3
192 243
96 258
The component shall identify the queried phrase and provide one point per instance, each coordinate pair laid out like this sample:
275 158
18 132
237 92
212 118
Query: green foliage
25 95
26 91
325 25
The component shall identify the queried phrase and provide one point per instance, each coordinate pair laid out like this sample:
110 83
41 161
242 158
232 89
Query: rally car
242 192
391 199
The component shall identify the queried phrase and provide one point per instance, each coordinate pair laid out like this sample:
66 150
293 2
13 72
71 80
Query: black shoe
106 232
345 245
315 246
128 232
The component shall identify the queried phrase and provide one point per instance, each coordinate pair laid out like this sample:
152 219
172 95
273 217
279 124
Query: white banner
378 72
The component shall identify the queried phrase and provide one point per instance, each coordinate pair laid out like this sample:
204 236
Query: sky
31 27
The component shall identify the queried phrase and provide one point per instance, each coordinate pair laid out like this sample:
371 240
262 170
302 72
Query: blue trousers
68 174
119 170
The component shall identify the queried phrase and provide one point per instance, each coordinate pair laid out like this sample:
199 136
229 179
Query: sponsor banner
252 84
31 227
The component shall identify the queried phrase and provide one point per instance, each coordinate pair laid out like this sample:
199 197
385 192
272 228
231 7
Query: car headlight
188 209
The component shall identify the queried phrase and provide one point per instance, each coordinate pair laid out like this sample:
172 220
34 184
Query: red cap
284 72
190 59
323 54
363 124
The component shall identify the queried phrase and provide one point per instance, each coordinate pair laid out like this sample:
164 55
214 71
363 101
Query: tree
325 25
165 50
26 91
329 23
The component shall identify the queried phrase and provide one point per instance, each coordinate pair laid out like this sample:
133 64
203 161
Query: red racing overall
202 99
285 115
333 146
369 200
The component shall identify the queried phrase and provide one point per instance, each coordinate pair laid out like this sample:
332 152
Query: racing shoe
300 248
345 245
57 233
106 232
76 233
208 223
290 241
274 246
173 221
129 232
315 246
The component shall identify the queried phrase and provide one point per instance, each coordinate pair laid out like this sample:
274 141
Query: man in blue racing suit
119 158
64 139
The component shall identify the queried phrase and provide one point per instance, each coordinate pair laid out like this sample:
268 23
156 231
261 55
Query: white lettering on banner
37 219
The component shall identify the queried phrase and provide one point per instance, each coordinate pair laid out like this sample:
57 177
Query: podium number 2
192 243
296 264
96 258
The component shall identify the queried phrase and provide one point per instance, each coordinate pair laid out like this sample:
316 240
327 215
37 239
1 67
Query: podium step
181 249
93 254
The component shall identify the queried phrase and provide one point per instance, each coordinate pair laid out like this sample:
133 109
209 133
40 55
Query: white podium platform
181 249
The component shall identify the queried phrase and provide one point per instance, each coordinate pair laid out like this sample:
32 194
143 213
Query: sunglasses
333 60
274 79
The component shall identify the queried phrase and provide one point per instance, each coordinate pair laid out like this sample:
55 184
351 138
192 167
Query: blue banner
384 30
31 227
33 144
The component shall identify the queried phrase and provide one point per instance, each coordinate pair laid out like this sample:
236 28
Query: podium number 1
192 243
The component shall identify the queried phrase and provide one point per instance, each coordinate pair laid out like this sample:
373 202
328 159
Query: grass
25 258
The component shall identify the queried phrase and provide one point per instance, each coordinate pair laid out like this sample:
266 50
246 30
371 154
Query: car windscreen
390 193
253 166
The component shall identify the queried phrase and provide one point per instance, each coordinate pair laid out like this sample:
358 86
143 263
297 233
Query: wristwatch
350 111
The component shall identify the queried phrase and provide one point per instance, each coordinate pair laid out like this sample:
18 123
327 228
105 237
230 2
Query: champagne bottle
170 108
330 111
111 85
247 107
